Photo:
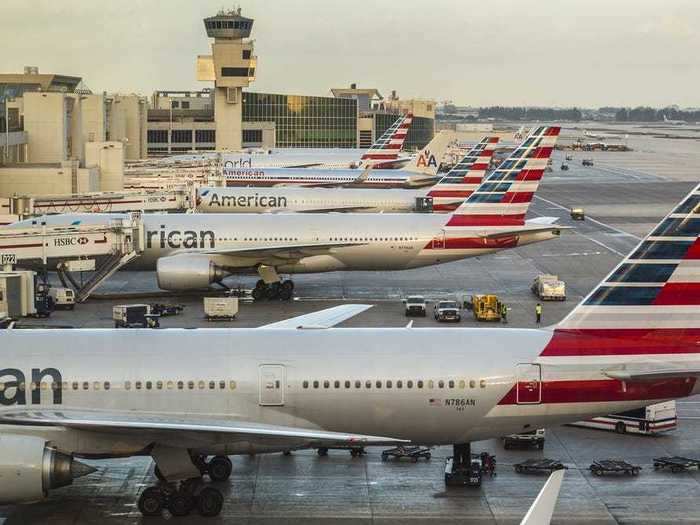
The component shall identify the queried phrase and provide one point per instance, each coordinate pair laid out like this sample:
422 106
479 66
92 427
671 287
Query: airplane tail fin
428 160
655 288
387 146
464 177
504 196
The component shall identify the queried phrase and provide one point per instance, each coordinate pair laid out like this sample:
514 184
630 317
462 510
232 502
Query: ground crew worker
504 312
538 312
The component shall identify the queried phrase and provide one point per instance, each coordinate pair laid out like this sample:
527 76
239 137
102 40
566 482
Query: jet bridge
101 249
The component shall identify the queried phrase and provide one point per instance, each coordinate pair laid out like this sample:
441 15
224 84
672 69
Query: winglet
541 511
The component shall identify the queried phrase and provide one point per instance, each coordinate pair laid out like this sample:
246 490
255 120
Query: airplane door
272 385
439 241
528 390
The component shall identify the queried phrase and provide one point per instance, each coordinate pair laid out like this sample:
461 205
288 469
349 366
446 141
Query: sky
586 53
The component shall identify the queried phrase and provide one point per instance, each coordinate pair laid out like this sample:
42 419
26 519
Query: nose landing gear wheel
219 468
210 502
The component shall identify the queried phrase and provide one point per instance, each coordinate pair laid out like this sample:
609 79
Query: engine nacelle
187 272
29 469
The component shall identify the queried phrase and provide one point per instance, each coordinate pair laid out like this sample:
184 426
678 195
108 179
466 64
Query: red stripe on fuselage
605 390
623 341
475 243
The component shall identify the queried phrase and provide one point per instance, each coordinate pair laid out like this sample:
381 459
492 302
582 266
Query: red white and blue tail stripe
505 194
464 177
388 146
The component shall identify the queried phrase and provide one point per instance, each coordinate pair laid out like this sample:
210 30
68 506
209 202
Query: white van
63 298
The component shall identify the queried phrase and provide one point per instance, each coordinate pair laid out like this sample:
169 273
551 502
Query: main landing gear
192 494
283 290
461 469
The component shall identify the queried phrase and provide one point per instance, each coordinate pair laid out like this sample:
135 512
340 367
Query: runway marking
599 223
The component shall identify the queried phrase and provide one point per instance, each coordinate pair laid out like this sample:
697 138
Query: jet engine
29 469
187 272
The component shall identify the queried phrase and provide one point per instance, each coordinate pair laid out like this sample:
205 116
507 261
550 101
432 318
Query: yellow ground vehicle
486 307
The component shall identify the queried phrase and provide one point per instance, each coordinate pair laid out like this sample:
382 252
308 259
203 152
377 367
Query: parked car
526 439
447 311
415 305
587 162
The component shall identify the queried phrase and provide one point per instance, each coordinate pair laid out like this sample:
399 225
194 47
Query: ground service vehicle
220 308
447 311
649 420
564 167
587 162
486 308
134 316
63 298
577 214
415 305
525 439
549 288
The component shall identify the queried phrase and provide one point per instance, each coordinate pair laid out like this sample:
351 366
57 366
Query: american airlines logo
246 173
246 201
15 387
426 160
180 239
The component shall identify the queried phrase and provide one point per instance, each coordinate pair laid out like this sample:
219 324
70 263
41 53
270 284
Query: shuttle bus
649 420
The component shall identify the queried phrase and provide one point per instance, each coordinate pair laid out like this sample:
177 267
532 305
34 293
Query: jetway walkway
171 200
100 249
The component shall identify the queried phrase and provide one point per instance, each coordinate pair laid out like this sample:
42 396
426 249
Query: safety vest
538 309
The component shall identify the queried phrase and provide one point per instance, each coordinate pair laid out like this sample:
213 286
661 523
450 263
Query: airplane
420 173
674 122
601 135
183 396
446 195
192 251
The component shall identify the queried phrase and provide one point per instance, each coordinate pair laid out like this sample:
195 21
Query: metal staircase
104 272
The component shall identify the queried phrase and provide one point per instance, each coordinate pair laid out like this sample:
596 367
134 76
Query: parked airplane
192 251
182 396
446 195
674 122
420 173
601 135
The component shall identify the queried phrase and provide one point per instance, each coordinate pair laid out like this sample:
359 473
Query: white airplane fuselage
379 241
325 177
304 199
429 386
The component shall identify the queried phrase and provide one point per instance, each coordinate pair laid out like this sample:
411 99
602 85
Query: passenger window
368 384
399 384
22 386
315 384
409 384
451 383
149 385
347 384
420 383
222 385
431 384
388 383
379 384
358 384
44 385
305 384
212 385
336 384
462 383
201 385
441 384
190 385
138 385
472 383
180 385
232 385
107 385
171 385
32 386
482 383
159 385
326 384
65 385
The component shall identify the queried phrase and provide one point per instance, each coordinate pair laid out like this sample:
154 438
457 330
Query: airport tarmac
624 195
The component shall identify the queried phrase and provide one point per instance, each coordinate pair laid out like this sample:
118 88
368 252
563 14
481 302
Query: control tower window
246 54
234 71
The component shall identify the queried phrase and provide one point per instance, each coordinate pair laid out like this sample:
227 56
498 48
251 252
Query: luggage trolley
614 466
676 463
415 453
539 465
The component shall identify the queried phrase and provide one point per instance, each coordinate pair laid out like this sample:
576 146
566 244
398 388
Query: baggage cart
414 453
220 308
676 463
538 465
355 452
614 466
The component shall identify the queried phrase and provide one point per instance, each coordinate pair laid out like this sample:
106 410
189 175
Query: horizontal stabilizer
652 375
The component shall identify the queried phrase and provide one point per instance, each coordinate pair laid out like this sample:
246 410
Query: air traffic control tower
231 67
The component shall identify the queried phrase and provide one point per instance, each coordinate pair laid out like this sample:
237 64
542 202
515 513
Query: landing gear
219 468
182 500
283 290
461 469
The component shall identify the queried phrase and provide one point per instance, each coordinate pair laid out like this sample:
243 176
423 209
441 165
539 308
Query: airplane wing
184 430
541 511
652 375
322 319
